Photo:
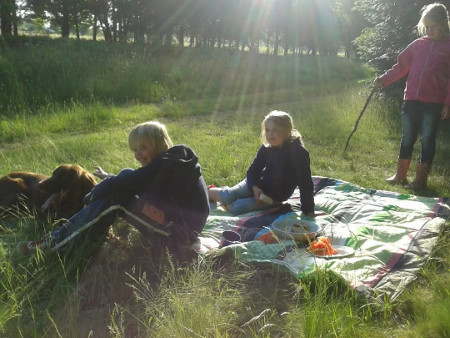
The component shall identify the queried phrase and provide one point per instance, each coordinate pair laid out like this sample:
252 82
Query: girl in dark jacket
281 165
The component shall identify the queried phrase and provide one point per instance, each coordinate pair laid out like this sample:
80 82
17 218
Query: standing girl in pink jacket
427 92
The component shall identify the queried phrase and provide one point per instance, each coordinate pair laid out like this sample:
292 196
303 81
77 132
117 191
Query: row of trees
379 28
299 26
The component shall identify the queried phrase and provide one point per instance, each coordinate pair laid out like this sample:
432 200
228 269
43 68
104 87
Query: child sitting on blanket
168 192
281 165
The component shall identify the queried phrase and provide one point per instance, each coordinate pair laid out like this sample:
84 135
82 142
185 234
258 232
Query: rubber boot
422 171
402 170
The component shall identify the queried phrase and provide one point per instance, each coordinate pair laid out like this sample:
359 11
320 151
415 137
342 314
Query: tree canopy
375 30
275 26
391 27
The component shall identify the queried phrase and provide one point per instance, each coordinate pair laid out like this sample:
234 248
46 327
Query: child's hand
378 83
256 192
100 173
445 114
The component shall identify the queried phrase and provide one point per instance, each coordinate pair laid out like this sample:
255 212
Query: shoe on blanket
28 247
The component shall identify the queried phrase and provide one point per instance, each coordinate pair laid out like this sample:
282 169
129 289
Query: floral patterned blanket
387 236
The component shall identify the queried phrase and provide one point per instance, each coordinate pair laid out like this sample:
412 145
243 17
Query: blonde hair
282 120
152 133
436 13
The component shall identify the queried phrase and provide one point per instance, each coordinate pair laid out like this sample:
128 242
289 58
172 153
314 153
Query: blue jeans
420 118
98 215
241 199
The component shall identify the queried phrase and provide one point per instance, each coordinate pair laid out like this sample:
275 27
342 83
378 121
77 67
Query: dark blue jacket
174 181
279 170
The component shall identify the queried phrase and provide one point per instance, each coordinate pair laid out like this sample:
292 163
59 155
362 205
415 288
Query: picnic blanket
392 234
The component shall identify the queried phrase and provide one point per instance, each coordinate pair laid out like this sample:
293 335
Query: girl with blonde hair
281 165
427 93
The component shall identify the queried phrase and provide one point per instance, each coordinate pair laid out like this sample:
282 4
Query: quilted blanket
391 234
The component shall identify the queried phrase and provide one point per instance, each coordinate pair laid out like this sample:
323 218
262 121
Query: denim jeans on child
420 118
241 200
100 213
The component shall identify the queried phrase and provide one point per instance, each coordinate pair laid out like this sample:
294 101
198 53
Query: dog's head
68 185
67 177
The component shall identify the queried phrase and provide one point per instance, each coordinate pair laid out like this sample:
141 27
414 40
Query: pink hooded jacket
428 64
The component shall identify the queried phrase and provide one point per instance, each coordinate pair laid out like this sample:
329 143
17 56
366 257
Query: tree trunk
7 7
77 27
168 39
106 30
181 36
114 29
65 26
114 23
94 28
14 14
122 31
275 46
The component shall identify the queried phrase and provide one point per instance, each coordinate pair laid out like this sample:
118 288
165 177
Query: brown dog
60 195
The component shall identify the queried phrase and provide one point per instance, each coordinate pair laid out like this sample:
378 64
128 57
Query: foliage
392 26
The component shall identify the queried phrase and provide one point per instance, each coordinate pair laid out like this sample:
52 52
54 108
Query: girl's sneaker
27 247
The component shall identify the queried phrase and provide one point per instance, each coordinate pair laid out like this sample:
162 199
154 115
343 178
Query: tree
392 28
61 13
8 17
280 23
100 11
287 26
350 23
317 27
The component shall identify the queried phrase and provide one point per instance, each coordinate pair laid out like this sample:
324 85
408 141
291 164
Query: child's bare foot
214 194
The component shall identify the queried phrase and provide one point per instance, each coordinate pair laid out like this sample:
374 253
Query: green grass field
214 103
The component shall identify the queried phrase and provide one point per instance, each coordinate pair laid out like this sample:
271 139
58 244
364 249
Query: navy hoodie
279 170
175 180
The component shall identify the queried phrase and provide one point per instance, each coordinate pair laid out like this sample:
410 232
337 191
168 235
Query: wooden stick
359 117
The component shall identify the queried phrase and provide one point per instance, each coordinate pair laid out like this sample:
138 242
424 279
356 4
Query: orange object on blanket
322 246
268 238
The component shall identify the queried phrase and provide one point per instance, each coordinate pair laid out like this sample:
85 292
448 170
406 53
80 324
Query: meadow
74 102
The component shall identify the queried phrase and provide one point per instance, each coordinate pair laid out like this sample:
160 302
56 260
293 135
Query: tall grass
36 72
123 289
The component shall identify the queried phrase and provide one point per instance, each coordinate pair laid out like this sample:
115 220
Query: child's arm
108 187
100 173
305 183
445 114
399 70
254 172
